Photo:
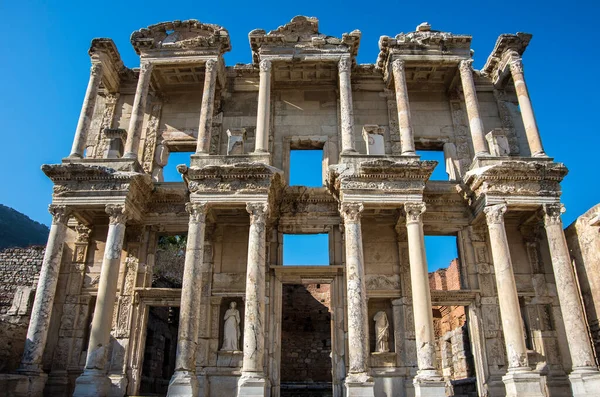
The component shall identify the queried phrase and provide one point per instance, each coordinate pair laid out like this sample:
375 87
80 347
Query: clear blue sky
45 69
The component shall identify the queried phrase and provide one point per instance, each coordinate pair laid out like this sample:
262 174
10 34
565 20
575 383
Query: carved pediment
496 63
302 33
182 35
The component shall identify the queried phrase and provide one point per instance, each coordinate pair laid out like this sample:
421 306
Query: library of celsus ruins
180 288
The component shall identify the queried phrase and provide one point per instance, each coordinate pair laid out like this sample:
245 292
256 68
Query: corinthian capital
117 213
351 212
258 212
83 233
466 66
398 66
96 69
344 64
414 212
494 214
265 65
145 67
197 211
210 65
516 65
60 214
552 214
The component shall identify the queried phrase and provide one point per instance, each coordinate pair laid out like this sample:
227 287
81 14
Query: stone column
94 380
358 380
531 128
137 112
428 380
407 140
37 333
253 381
346 107
585 378
184 381
208 104
263 115
475 123
87 111
520 380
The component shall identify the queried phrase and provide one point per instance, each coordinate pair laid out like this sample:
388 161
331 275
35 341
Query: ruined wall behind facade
18 267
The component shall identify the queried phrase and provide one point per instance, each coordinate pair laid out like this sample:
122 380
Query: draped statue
382 332
231 329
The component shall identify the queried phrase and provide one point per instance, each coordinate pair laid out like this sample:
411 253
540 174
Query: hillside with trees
18 230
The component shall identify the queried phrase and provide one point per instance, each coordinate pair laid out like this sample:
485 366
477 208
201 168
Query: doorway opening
306 367
160 350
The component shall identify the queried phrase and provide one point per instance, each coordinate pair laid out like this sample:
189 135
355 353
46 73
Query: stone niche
381 359
230 358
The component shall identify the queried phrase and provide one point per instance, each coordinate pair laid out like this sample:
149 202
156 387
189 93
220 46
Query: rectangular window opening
306 168
440 171
169 172
306 249
443 263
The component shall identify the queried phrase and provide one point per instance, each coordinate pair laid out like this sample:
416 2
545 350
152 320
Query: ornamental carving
197 211
466 66
210 65
516 66
414 212
258 212
265 65
83 233
60 214
117 214
351 212
552 213
344 64
494 214
145 68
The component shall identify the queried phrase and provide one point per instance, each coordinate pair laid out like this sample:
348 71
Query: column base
252 385
183 384
25 384
92 383
539 154
525 383
585 382
429 383
359 385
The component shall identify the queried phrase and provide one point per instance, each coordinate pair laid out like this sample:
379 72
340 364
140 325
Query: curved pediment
181 35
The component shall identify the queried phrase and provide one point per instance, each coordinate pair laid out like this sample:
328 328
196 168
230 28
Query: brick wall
18 267
306 333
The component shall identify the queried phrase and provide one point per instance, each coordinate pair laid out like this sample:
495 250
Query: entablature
508 46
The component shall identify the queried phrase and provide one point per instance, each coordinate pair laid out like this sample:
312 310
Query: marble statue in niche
382 332
231 329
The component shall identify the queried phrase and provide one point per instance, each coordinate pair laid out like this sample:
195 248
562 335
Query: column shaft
263 115
87 111
346 106
531 128
37 333
208 105
137 112
421 297
184 381
580 347
254 318
407 140
358 329
475 123
510 312
94 380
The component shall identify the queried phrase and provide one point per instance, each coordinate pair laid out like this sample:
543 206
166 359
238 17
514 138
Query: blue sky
45 69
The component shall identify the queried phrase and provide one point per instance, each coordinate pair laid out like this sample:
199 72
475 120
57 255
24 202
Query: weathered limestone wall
583 238
239 111
430 116
19 267
380 248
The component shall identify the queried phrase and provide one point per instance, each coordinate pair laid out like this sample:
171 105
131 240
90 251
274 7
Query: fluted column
531 128
94 380
421 297
346 107
580 347
37 333
184 381
407 140
475 123
208 104
137 112
87 111
263 115
253 381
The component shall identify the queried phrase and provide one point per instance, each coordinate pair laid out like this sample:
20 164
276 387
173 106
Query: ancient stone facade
304 90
